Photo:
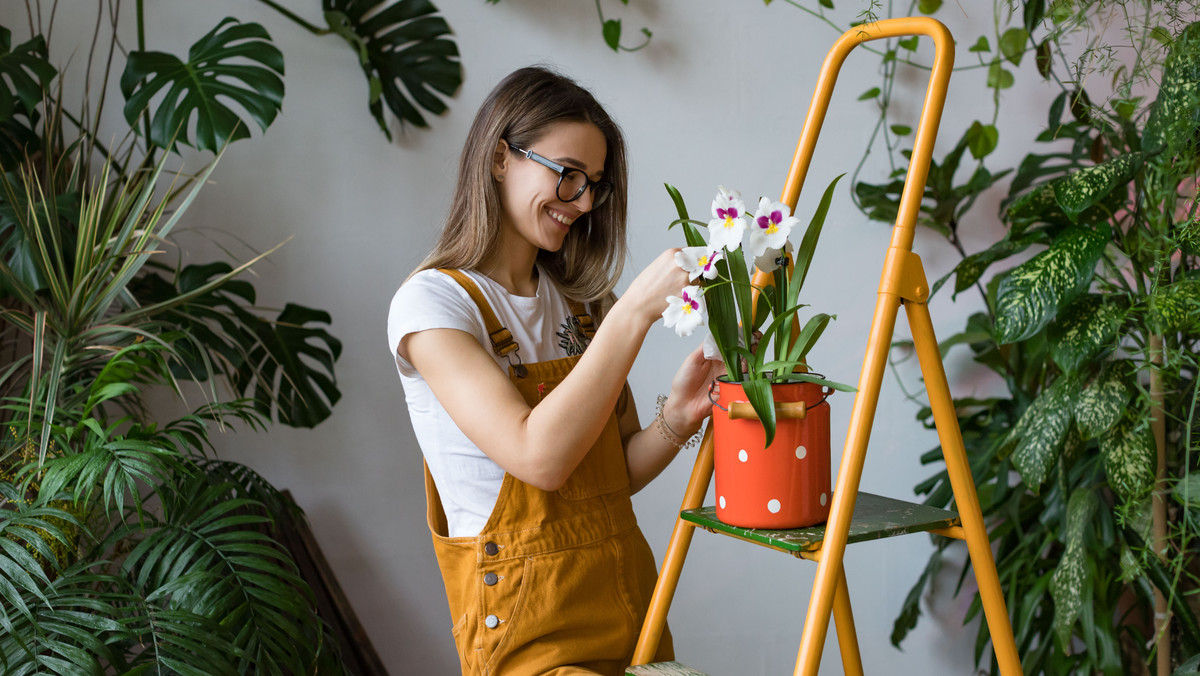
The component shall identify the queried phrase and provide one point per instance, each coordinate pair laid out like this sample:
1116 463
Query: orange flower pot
785 485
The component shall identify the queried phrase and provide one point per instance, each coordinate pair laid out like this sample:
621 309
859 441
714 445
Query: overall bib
556 582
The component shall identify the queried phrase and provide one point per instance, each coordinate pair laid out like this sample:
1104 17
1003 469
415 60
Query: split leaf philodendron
724 297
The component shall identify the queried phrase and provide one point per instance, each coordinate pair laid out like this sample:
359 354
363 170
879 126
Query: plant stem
1162 621
297 19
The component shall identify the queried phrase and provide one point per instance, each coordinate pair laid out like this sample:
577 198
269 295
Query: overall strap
502 339
586 324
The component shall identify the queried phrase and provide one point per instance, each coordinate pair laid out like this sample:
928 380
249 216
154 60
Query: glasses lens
571 185
600 193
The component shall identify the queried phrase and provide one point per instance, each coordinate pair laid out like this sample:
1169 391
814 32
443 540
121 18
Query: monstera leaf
405 51
235 61
25 77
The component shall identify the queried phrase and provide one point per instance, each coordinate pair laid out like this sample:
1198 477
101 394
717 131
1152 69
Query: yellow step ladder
855 516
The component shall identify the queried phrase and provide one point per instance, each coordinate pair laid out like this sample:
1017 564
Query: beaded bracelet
671 436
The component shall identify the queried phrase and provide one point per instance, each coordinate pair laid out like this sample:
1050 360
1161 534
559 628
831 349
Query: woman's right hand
661 278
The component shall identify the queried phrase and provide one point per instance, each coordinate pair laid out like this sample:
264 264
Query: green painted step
875 517
663 669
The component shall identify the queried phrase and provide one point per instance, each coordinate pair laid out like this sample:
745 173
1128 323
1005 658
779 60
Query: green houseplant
125 546
1091 321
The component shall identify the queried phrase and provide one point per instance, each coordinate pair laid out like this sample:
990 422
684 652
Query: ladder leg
681 539
843 621
978 544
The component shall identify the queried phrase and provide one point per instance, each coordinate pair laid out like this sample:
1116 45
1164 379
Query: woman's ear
500 160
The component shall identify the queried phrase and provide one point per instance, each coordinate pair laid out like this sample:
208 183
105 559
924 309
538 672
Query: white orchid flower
686 313
771 259
770 227
729 222
698 261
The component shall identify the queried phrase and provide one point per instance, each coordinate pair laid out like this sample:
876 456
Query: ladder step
875 517
663 669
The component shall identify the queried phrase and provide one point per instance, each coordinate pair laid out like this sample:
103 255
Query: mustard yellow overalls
556 582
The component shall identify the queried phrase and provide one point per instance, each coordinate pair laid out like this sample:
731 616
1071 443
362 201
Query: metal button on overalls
491 621
491 579
491 549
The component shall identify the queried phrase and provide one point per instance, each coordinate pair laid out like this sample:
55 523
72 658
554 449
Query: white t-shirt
468 481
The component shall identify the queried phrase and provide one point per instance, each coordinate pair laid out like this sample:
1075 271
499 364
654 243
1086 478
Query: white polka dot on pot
743 455
801 452
722 501
773 506
824 499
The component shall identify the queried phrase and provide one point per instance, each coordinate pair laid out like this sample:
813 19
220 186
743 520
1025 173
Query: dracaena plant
1086 461
724 295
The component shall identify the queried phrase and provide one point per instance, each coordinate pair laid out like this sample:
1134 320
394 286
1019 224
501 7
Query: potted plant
770 420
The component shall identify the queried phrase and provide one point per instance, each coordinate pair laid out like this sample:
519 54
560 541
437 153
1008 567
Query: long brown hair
519 110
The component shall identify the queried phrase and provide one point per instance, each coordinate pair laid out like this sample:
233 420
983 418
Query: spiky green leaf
1085 328
233 62
1127 449
1030 297
1070 576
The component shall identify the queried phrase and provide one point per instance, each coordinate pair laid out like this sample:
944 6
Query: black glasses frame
599 195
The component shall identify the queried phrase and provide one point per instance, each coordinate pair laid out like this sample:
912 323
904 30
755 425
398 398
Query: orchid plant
724 293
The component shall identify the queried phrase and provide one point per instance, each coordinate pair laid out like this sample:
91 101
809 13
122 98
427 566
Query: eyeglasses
571 182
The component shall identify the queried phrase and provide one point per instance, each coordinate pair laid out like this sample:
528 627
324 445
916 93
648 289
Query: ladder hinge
904 276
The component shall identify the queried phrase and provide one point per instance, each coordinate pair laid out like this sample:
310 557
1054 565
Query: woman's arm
542 445
648 451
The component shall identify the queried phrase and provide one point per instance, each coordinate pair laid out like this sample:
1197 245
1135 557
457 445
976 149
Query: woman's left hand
688 404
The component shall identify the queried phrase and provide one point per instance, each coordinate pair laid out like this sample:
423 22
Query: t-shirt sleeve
429 300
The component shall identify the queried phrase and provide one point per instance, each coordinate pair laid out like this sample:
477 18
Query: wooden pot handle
794 410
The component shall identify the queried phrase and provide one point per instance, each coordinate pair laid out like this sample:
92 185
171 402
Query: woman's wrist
674 420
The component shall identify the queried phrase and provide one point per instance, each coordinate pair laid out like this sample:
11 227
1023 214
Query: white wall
718 97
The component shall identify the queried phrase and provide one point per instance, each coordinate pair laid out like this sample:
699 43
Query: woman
532 444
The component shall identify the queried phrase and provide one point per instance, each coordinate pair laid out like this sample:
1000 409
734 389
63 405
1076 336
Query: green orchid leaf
1085 328
1175 115
808 337
808 244
808 377
1176 307
1101 404
762 398
1031 295
1127 449
1070 575
1079 191
234 61
1040 432
405 51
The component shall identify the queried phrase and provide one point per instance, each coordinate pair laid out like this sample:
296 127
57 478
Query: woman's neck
513 265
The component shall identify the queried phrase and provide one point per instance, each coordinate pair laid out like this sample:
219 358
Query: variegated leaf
1080 190
1176 307
1040 433
1101 405
970 269
1032 206
1175 115
1073 445
1087 327
1127 449
1029 297
1067 582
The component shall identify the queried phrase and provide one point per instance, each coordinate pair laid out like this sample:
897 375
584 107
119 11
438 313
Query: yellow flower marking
729 222
687 308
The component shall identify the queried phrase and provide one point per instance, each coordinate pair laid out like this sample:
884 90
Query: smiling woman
530 469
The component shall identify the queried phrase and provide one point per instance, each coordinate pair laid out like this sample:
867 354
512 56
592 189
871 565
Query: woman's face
529 202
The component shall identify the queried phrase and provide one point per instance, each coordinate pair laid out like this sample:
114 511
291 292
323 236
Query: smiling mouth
561 218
